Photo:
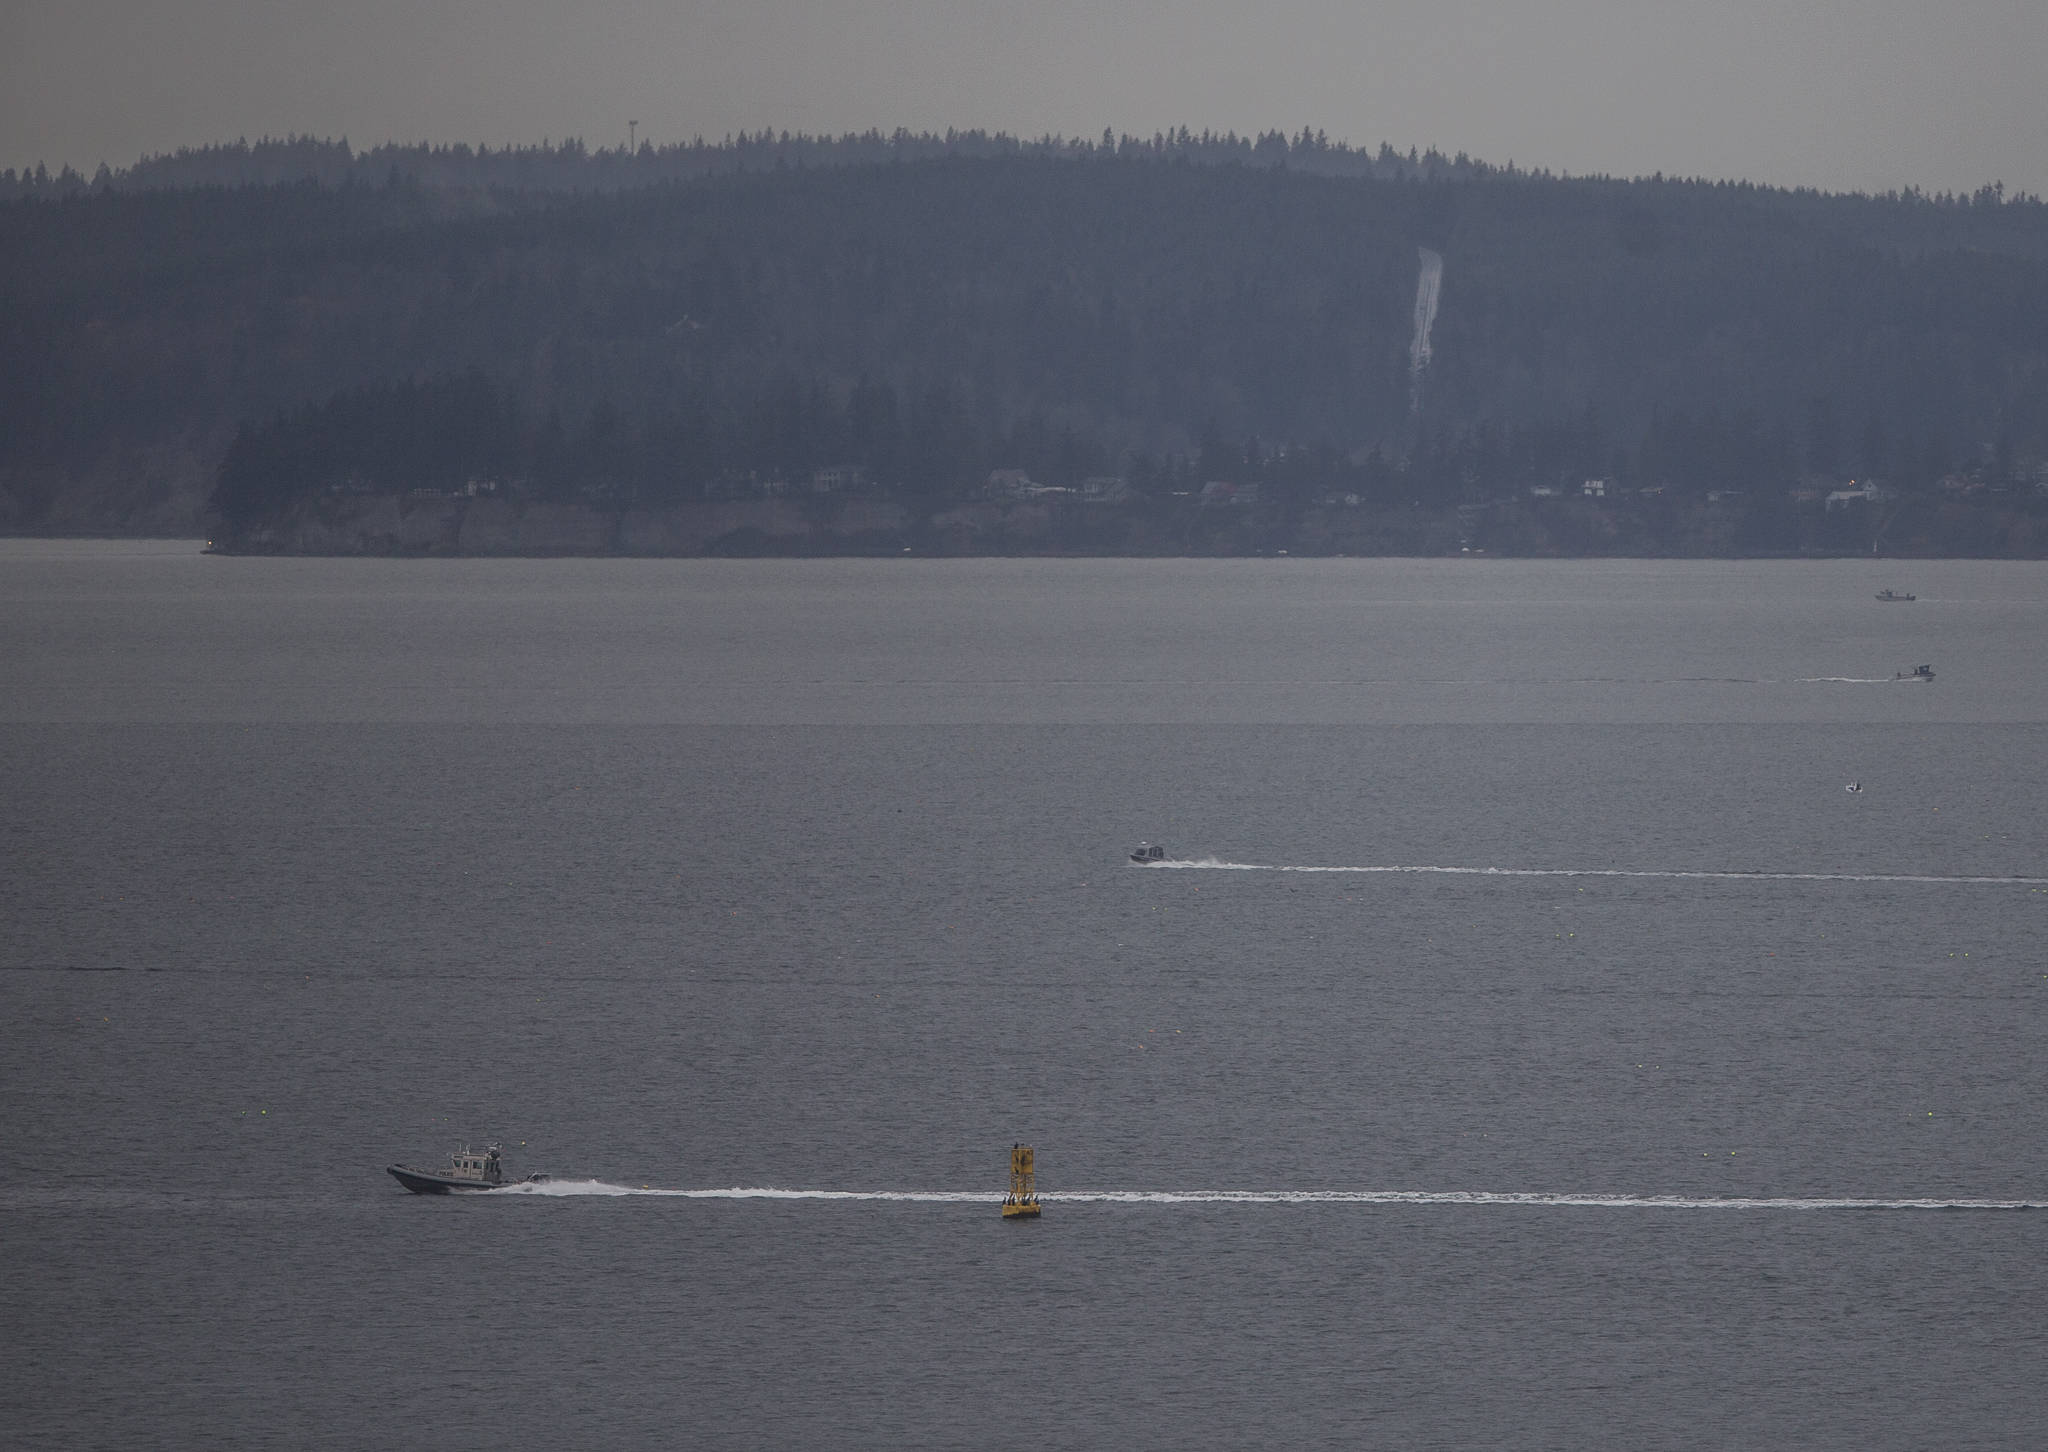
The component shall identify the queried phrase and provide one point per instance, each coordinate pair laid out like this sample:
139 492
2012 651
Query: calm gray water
810 875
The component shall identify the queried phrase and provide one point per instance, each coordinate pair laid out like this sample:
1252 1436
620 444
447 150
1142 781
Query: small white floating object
1854 786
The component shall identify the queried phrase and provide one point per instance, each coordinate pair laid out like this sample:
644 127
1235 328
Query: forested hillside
1155 322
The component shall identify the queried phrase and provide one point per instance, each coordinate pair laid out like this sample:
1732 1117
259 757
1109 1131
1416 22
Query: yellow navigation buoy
1023 1196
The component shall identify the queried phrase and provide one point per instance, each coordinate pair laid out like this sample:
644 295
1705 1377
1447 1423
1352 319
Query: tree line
788 436
1130 310
570 165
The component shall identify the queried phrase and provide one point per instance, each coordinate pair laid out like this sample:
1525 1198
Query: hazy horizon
1873 97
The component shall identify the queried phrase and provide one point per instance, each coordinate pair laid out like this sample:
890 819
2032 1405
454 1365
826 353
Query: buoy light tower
1023 1196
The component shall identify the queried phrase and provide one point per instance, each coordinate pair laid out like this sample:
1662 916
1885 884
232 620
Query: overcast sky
1840 94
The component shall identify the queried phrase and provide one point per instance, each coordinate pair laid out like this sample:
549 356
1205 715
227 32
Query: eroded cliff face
443 526
408 525
157 490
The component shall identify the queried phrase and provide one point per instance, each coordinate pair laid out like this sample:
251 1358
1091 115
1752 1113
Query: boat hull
429 1182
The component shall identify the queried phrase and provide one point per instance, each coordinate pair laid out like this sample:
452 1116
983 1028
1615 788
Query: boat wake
1217 864
561 1188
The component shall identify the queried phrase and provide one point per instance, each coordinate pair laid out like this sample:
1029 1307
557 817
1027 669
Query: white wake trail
1215 864
560 1188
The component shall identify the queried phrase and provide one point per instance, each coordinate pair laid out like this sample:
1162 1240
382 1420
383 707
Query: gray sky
1838 94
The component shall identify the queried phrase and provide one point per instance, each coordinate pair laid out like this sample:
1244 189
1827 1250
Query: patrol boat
1147 854
1895 597
468 1169
1918 673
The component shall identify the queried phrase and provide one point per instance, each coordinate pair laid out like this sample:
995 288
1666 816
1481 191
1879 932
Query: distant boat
1895 596
1854 786
1918 673
468 1169
1147 855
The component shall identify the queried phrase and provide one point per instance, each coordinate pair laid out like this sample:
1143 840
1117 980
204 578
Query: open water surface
1693 1117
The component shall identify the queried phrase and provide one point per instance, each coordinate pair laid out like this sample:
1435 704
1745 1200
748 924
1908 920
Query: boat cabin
481 1166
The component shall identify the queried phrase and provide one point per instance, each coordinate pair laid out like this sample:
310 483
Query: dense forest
1183 343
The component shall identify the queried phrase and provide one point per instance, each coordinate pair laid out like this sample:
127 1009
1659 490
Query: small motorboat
1854 786
1918 673
468 1169
1147 854
1895 597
